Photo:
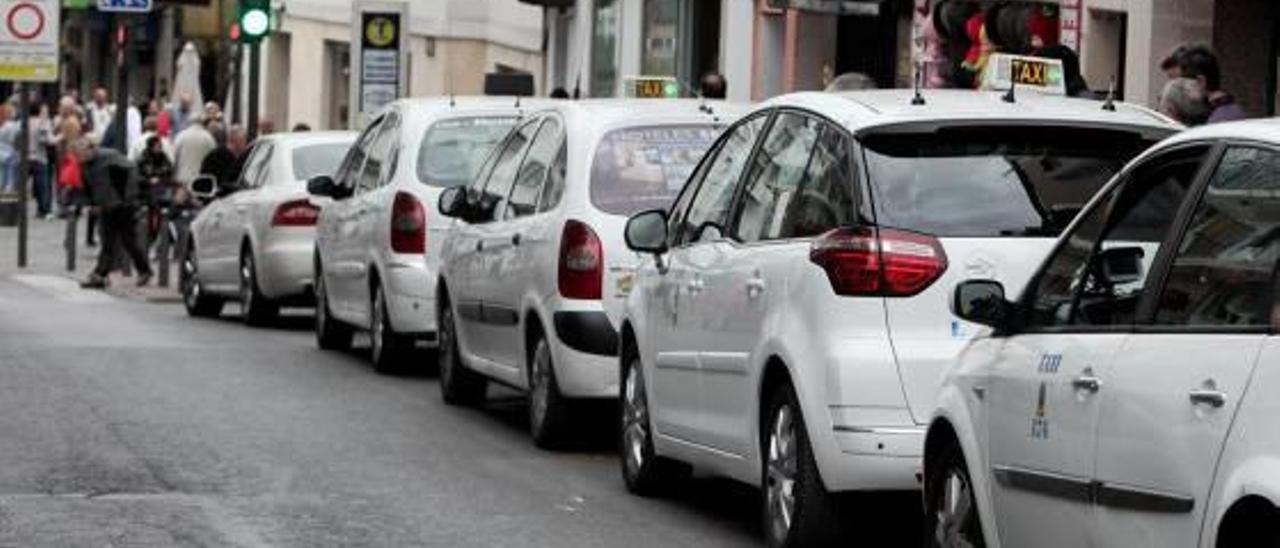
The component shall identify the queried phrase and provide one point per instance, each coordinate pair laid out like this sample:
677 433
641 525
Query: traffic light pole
255 67
24 147
121 124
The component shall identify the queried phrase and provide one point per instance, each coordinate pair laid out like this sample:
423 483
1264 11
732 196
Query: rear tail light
408 225
581 272
879 262
296 213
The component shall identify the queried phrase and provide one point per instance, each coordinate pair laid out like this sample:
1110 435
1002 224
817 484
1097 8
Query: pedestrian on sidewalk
1200 63
40 134
8 150
1183 99
114 190
190 149
226 161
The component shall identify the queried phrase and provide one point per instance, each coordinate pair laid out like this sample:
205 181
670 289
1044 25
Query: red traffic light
234 33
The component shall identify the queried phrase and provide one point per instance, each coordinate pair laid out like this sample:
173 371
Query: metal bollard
69 242
164 248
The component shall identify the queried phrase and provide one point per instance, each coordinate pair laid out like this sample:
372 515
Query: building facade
306 64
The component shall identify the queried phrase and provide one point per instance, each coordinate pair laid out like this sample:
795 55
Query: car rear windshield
642 168
453 150
993 181
322 159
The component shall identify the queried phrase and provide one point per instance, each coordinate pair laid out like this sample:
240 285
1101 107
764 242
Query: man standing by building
190 149
1200 63
101 113
114 191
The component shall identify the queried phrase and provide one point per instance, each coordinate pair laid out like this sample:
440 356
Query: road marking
61 288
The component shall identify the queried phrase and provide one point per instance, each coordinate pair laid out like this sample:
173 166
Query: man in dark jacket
114 191
226 161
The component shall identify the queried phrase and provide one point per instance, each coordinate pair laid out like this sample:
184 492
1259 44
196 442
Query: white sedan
253 242
1126 398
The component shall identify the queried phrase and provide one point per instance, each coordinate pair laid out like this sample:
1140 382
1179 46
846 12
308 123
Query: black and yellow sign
641 87
380 31
1036 73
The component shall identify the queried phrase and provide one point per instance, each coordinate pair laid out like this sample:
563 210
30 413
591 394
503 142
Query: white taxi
377 245
535 271
1125 399
791 327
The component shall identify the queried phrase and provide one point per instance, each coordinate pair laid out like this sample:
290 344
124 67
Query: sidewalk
46 256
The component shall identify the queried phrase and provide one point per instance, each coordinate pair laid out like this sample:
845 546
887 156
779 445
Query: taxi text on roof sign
650 87
1033 73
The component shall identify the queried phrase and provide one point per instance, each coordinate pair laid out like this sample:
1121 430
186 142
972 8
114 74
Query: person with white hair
1185 100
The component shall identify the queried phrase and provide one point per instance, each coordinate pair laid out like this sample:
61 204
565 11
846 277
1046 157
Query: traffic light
254 20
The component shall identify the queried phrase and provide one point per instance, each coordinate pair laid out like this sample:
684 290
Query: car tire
458 384
255 308
951 509
198 303
548 409
644 472
796 507
331 333
388 349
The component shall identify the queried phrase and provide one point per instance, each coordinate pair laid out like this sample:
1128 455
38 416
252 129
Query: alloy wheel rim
541 386
446 344
955 512
246 284
379 325
190 286
634 421
780 477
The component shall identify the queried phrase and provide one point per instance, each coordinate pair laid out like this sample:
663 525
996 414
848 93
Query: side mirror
321 185
453 202
982 302
204 187
646 232
1121 265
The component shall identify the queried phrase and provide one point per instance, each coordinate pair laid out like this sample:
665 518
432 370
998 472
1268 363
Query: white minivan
1125 399
535 271
791 327
378 240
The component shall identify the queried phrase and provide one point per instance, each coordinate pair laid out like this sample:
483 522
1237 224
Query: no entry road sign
29 40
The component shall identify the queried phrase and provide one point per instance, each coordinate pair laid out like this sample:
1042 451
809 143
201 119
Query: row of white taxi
778 307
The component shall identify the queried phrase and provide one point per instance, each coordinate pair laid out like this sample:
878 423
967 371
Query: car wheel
458 385
644 472
255 308
548 410
198 303
951 510
798 510
388 348
331 333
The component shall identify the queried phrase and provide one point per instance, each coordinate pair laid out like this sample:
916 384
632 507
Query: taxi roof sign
650 87
1039 74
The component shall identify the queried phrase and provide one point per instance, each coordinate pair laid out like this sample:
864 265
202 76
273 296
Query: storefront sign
29 40
1069 24
380 35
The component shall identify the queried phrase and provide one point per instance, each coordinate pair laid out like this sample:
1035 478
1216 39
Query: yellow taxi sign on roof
650 87
1039 74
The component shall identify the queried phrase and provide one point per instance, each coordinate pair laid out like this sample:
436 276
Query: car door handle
515 240
694 286
755 287
479 246
1208 394
1087 383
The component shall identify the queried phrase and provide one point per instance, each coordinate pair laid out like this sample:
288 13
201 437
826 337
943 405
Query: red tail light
879 262
296 213
581 262
408 225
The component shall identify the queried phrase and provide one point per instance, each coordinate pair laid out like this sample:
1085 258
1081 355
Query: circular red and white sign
25 20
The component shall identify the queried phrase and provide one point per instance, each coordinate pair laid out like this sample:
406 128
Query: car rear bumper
411 302
585 354
874 458
285 268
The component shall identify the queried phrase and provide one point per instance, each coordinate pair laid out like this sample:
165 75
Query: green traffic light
255 20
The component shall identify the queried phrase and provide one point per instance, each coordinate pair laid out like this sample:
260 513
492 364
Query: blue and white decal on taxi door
1049 364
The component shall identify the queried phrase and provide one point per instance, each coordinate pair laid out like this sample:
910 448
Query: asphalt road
125 423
